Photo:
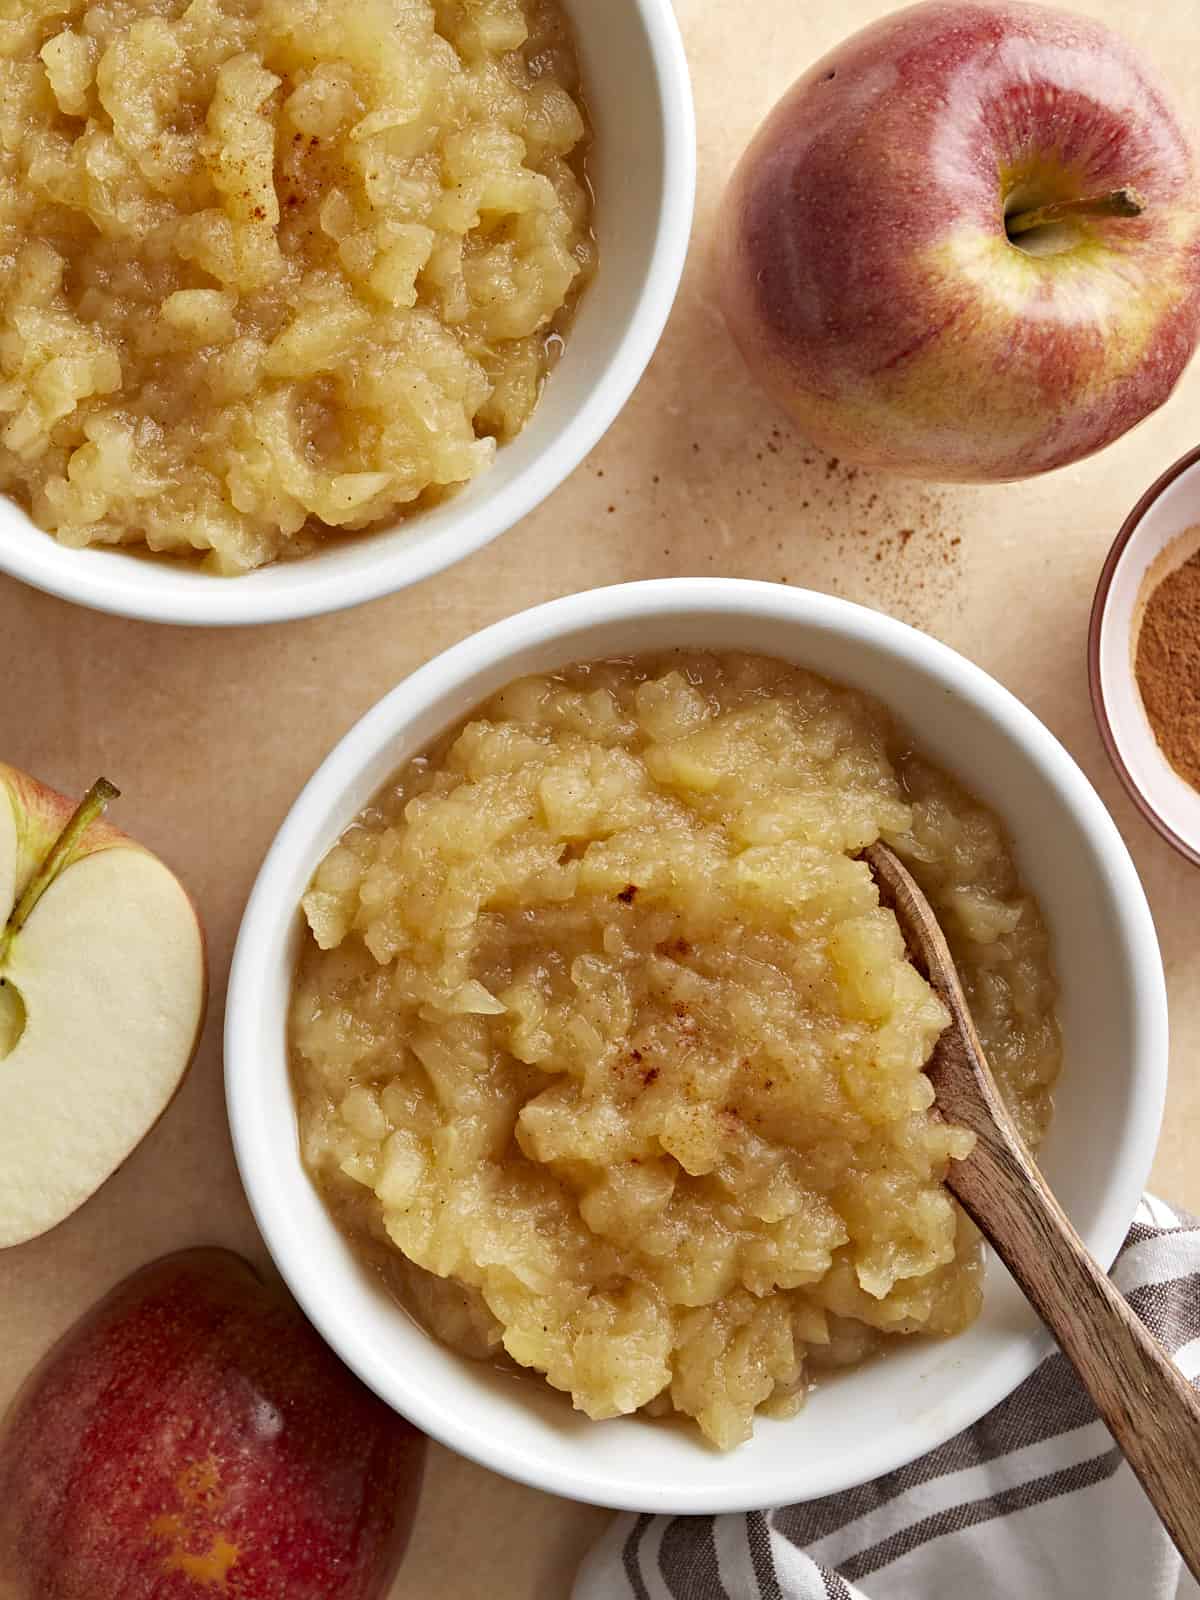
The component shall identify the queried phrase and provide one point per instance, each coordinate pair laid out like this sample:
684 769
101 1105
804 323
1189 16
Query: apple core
12 1018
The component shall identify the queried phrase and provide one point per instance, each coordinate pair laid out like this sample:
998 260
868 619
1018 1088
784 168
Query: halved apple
102 997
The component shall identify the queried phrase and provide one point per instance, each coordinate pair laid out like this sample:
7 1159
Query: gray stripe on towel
1171 1310
758 1539
687 1560
631 1556
1068 1480
1048 1403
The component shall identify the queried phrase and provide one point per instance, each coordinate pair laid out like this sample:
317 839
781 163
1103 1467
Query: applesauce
275 270
607 1054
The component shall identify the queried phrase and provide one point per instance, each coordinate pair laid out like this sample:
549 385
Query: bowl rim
268 918
1096 624
121 583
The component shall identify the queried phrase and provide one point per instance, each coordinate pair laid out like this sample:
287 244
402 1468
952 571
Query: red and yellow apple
102 993
966 244
192 1437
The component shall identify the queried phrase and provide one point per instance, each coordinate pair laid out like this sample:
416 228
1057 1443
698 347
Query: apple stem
89 809
1125 202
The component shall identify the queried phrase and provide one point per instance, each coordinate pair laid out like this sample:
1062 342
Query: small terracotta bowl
1159 534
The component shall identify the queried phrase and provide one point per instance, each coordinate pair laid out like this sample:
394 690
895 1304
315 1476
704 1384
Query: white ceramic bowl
1158 535
1097 1156
643 167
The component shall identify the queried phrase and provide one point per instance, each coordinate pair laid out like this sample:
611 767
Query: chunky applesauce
275 269
606 1052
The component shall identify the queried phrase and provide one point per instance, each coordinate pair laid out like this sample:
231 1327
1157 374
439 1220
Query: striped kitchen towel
1032 1503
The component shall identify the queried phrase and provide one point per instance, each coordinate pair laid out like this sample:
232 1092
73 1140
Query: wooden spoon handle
1151 1410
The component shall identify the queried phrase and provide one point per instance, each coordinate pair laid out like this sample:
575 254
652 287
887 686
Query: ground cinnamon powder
1167 665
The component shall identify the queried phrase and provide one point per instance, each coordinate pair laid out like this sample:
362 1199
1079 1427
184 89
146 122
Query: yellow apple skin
40 813
865 270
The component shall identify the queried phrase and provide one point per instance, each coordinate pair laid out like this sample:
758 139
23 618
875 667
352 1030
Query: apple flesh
864 259
193 1437
102 996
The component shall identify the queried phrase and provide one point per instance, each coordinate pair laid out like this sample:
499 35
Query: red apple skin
864 270
192 1438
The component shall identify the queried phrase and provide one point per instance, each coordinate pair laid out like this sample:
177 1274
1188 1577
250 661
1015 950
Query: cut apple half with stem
102 998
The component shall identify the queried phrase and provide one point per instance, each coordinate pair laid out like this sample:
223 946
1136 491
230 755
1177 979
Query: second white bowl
1097 1156
643 165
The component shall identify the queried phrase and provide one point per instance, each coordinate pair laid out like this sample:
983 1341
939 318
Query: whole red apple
966 244
193 1438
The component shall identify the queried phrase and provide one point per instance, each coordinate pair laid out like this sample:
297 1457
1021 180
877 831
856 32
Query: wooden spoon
1149 1407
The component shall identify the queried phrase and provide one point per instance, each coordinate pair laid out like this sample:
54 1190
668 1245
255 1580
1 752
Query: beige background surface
211 734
